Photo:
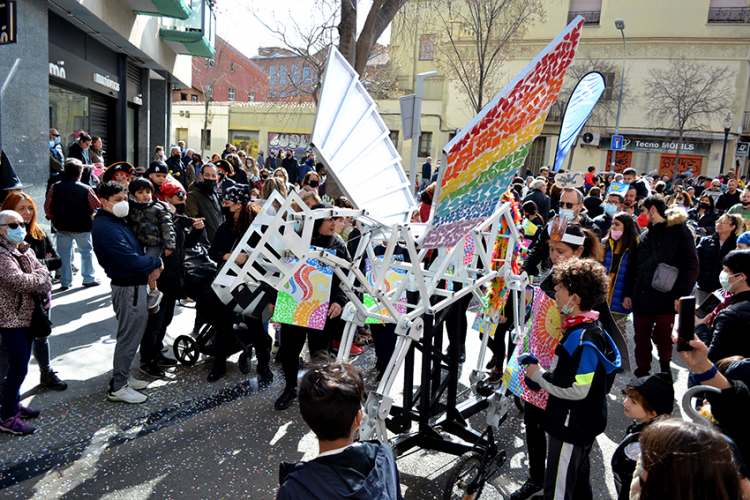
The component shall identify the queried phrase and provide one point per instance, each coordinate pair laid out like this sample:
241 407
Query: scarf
587 317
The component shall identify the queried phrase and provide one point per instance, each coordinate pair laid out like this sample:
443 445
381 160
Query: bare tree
686 96
475 37
355 48
214 73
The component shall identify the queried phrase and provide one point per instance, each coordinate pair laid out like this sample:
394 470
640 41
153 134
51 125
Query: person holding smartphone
726 335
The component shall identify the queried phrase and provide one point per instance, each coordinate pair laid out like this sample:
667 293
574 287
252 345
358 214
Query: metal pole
724 151
619 102
416 125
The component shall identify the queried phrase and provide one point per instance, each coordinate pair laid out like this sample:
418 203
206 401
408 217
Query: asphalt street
194 440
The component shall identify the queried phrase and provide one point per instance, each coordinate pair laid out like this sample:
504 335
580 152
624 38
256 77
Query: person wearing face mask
310 183
238 175
743 208
203 200
666 269
177 168
56 157
580 376
320 169
70 207
727 334
611 206
121 255
224 180
711 252
23 280
571 204
620 253
704 215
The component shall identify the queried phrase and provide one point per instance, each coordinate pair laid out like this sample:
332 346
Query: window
272 74
251 97
609 81
294 73
427 47
193 97
271 95
183 97
282 74
728 11
210 63
231 67
206 138
305 74
394 138
283 94
535 159
231 94
425 144
590 10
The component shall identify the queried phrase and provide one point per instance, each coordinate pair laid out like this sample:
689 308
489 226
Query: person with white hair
23 282
539 197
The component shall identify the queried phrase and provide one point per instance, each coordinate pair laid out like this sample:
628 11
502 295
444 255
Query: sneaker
152 371
153 300
93 283
136 384
49 379
218 371
528 490
164 362
495 377
164 348
16 426
492 363
26 413
354 351
126 395
286 399
265 376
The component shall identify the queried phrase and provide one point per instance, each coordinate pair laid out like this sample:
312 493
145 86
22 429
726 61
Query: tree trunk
205 127
348 30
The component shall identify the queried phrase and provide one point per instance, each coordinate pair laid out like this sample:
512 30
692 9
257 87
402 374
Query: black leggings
293 340
536 442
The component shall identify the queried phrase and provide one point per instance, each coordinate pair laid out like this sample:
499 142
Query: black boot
219 369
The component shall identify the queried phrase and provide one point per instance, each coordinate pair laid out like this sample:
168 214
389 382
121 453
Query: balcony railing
556 111
590 17
737 15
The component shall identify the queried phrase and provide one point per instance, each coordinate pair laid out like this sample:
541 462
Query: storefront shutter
99 117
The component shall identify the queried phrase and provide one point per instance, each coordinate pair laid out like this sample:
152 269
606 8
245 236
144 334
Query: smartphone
686 323
708 305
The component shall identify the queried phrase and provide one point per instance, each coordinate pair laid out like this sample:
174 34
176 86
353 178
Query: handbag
40 326
665 275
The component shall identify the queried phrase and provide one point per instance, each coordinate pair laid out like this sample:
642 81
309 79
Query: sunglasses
12 225
568 205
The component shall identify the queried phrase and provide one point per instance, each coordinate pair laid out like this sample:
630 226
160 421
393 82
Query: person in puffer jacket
330 401
582 372
620 251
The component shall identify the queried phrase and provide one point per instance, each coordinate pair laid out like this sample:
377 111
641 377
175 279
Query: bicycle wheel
466 471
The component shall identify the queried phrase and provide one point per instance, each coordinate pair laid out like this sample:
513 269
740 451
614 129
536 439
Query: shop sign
105 81
8 25
56 69
657 145
137 100
742 149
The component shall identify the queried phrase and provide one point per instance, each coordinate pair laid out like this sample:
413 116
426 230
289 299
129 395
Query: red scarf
587 317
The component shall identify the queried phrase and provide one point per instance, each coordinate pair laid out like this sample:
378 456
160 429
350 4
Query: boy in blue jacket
129 271
581 375
330 400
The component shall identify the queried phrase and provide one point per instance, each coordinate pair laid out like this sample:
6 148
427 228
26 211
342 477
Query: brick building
290 77
234 77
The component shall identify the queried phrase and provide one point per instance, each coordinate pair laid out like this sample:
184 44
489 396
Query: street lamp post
620 25
727 125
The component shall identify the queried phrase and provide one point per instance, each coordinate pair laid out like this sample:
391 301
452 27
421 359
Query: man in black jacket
71 206
612 205
291 166
539 197
176 167
728 198
666 241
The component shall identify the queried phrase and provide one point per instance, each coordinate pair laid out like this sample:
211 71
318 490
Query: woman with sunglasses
23 278
45 252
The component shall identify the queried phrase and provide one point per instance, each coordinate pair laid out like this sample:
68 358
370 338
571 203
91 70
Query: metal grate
738 15
590 17
99 120
134 73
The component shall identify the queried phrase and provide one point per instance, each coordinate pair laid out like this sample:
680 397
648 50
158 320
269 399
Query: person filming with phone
727 334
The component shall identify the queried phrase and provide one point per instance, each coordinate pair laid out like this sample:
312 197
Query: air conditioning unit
590 138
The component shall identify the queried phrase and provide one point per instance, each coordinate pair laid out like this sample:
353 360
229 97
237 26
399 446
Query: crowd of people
621 246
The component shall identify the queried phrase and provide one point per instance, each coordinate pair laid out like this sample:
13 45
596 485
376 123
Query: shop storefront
646 154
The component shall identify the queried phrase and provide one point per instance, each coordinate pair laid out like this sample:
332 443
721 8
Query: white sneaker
136 384
127 395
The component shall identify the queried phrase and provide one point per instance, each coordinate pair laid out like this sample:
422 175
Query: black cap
120 166
739 370
158 167
657 390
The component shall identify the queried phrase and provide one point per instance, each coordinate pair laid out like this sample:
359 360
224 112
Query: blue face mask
610 209
16 235
52 144
57 140
568 214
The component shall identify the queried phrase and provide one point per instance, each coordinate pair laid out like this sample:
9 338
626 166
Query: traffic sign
617 142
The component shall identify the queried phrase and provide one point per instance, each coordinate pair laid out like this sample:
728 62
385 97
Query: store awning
178 9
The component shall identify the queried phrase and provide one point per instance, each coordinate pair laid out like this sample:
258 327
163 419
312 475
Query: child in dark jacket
330 400
647 398
151 222
584 365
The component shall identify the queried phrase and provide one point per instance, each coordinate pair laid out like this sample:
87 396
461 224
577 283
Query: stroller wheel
185 350
244 363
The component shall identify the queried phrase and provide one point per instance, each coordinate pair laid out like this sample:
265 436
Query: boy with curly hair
582 372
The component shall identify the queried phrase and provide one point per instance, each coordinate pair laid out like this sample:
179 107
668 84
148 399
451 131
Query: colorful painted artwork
529 228
392 278
541 340
485 156
618 187
482 324
305 298
468 249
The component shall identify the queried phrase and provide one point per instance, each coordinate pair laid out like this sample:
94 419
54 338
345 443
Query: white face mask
121 209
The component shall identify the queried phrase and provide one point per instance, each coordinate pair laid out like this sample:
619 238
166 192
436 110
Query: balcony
731 15
178 9
746 123
196 35
556 111
590 17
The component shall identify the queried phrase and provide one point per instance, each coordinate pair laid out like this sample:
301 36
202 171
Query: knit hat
744 238
158 167
172 189
237 194
657 390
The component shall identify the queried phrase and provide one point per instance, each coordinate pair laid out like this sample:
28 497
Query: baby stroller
200 272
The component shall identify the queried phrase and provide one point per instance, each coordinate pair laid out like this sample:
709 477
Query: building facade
291 78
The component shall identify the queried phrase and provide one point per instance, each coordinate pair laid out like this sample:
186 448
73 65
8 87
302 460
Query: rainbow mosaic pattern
483 158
